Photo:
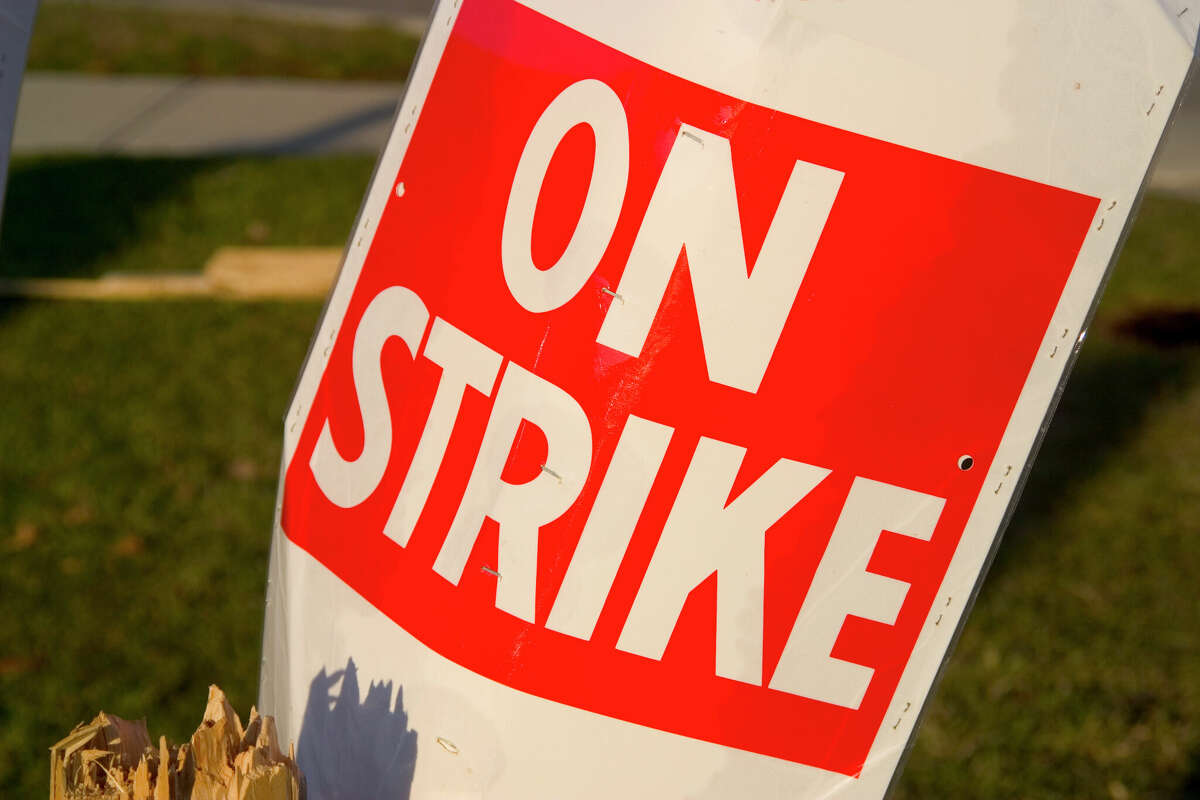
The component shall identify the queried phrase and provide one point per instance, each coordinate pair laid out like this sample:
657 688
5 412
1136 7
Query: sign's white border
1076 94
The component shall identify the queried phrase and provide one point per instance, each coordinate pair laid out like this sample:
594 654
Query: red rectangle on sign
902 345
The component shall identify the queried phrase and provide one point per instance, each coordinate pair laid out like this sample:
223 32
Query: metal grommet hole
965 463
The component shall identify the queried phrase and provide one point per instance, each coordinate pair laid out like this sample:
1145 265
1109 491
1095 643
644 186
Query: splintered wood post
217 737
141 780
166 775
112 759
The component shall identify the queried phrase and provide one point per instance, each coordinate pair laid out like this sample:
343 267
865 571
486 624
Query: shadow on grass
1164 327
83 217
350 750
64 216
1190 788
1113 386
1191 785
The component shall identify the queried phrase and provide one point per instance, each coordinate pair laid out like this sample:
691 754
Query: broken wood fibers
113 758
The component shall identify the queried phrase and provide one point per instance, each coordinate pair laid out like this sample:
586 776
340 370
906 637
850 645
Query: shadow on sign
350 749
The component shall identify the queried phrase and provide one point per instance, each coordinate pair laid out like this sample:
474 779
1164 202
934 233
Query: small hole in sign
965 463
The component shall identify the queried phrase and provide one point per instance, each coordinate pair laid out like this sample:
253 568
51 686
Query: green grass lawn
101 38
168 215
139 445
1078 673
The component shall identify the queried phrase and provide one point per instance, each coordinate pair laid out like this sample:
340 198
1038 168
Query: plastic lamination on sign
605 453
653 422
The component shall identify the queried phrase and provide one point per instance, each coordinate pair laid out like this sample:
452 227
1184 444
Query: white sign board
16 26
681 373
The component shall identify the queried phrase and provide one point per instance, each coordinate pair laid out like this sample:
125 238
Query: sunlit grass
109 39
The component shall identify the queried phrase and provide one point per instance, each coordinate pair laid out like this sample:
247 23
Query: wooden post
111 758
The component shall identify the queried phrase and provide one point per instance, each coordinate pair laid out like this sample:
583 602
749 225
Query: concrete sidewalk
136 115
145 115
1178 167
